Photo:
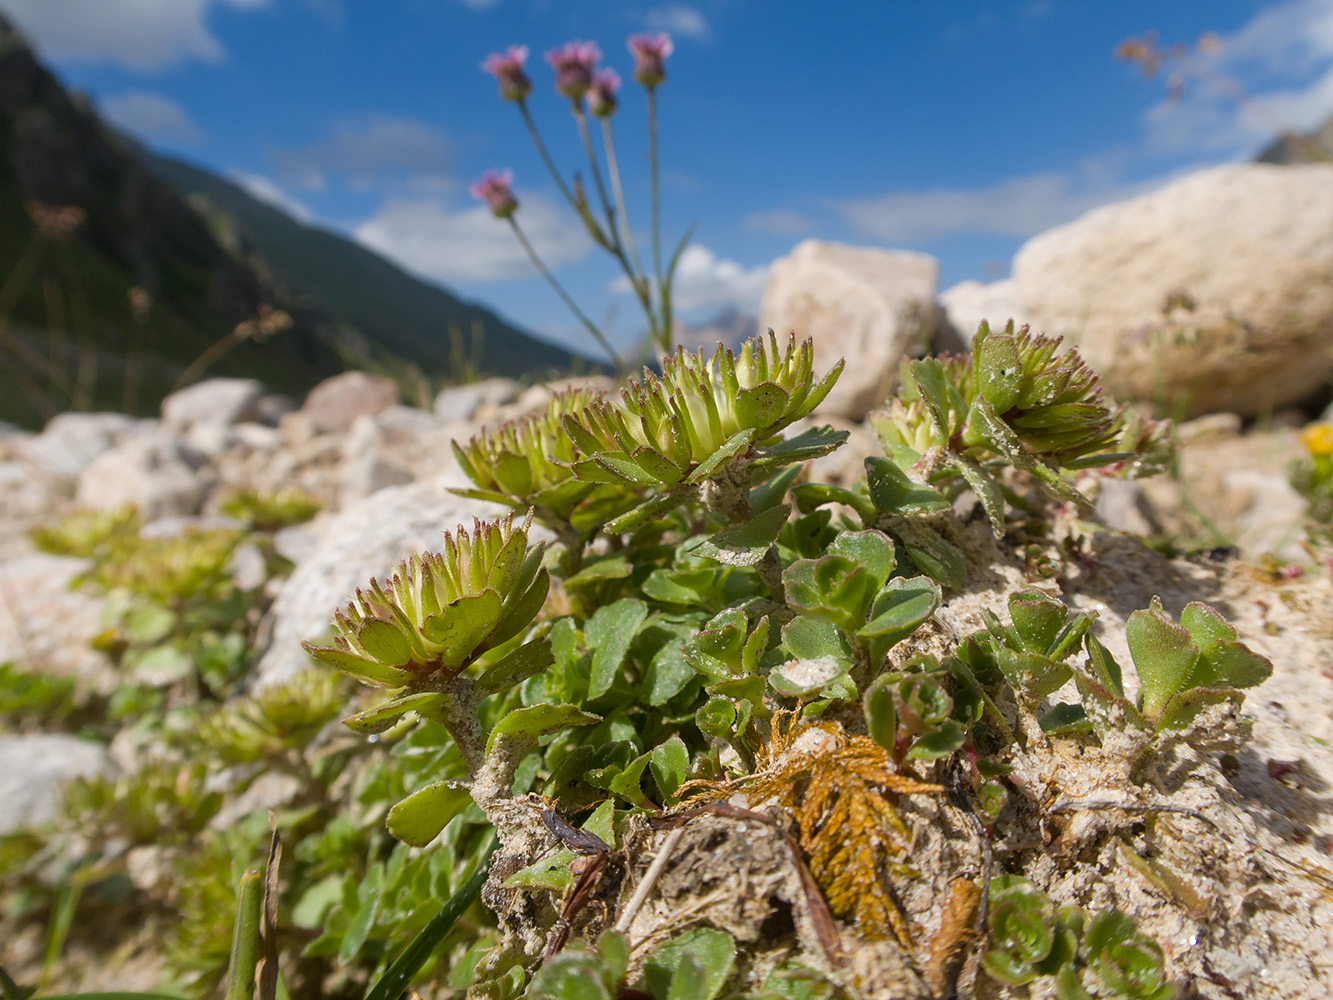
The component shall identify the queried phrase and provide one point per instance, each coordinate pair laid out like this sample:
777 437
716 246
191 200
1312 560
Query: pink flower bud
508 69
494 190
650 52
573 63
602 97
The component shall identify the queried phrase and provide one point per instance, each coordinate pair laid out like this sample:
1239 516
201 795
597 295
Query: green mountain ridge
386 311
116 287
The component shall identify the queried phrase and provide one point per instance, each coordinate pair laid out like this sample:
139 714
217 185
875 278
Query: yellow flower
1318 439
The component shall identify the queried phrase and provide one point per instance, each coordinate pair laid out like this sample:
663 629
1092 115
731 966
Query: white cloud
151 116
435 240
679 19
1019 206
1282 62
782 221
270 194
705 281
362 151
142 35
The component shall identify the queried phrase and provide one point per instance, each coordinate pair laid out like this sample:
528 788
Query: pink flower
573 63
650 52
494 190
602 97
508 69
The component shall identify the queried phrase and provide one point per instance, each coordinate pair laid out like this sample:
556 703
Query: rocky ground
1250 841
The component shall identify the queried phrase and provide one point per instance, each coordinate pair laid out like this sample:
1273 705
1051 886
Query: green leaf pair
850 588
1183 668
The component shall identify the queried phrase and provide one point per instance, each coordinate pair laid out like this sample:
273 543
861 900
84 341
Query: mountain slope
69 333
393 312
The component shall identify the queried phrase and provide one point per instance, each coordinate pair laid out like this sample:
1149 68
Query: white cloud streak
435 240
1273 73
150 116
1019 206
270 193
366 150
141 35
704 281
681 20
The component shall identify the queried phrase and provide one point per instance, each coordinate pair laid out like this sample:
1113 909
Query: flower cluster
496 189
593 92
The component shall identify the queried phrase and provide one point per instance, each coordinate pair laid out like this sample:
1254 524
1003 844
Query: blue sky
955 128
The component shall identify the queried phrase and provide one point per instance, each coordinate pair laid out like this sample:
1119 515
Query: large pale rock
969 303
1213 293
33 771
367 539
70 441
866 305
224 401
336 402
155 471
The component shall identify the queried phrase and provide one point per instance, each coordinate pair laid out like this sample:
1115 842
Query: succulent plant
911 713
526 463
1029 654
1118 962
852 588
1106 957
1183 668
89 534
1018 402
275 721
1026 938
440 610
173 569
701 414
270 512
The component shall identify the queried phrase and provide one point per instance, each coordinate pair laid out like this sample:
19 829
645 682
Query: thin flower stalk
564 295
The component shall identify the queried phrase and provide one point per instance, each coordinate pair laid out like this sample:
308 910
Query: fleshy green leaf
538 720
419 818
526 661
608 634
747 543
893 492
670 764
383 716
725 452
1163 653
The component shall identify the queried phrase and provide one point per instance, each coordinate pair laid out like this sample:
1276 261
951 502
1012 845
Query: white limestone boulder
867 305
1213 293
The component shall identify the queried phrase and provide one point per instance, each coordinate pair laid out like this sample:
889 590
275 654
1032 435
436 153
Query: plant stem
579 208
586 138
664 344
245 938
629 257
546 157
626 234
564 296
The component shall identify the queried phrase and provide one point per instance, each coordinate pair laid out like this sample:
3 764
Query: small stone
70 441
222 401
156 472
34 769
471 401
336 402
